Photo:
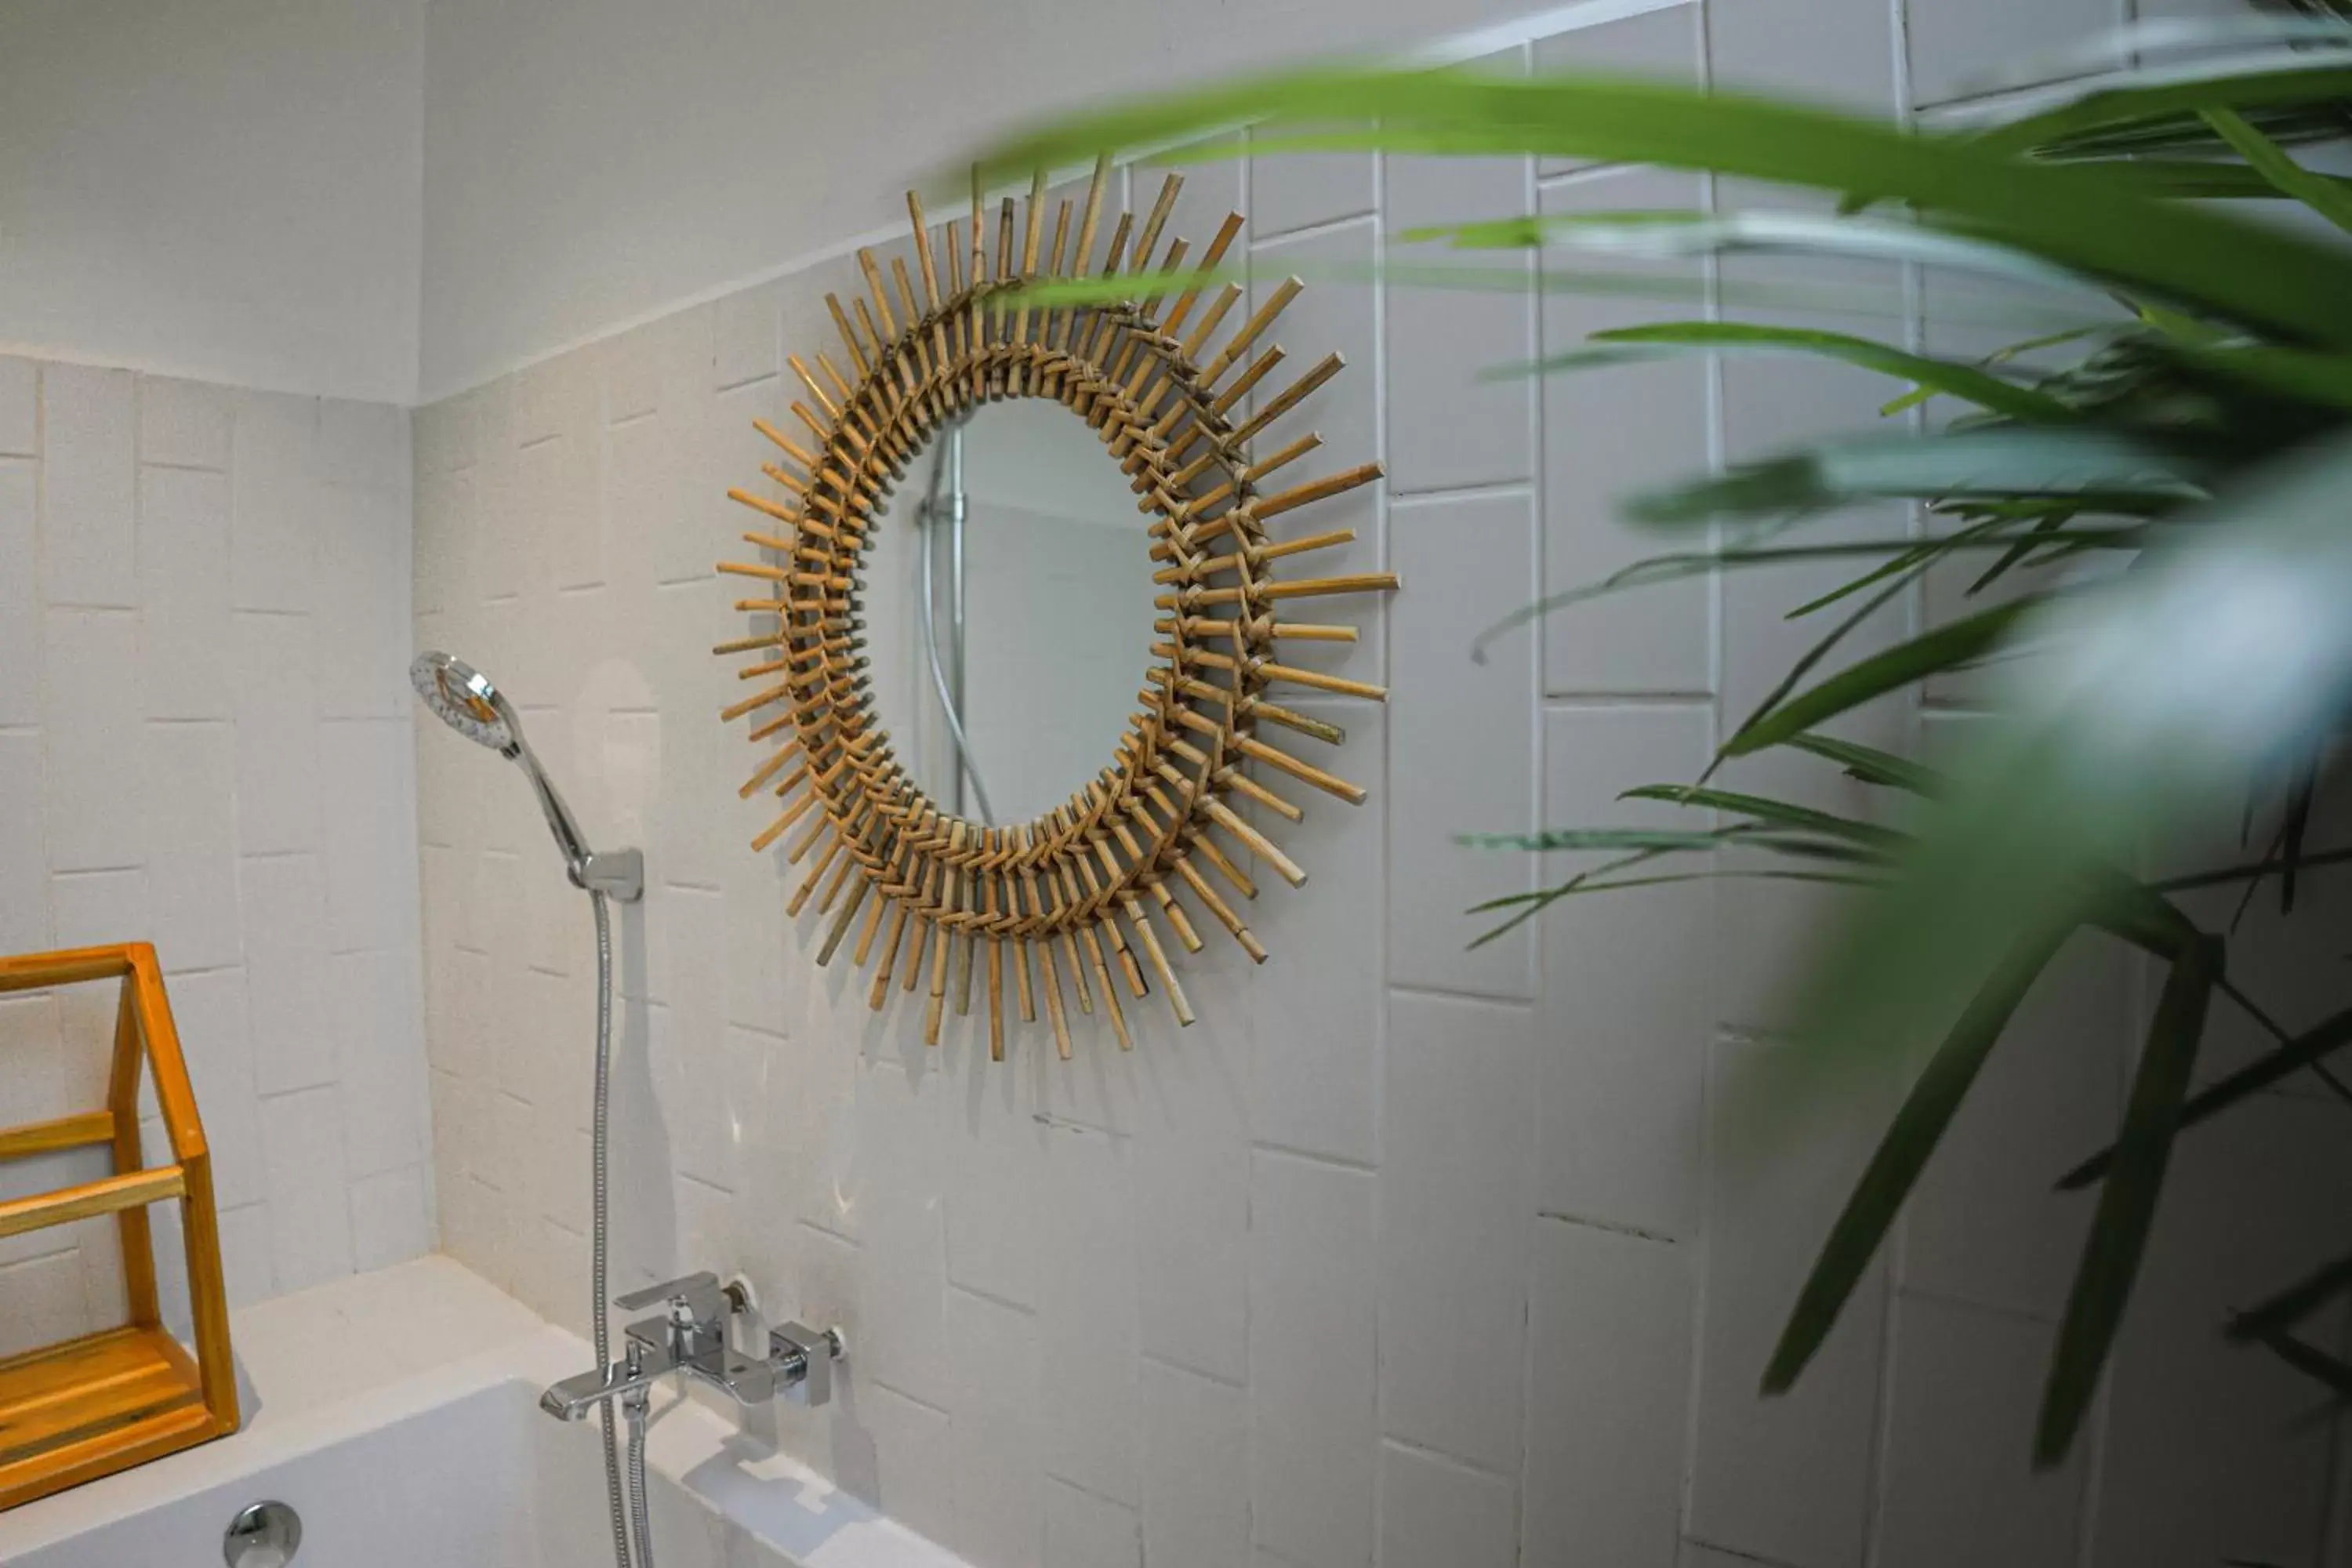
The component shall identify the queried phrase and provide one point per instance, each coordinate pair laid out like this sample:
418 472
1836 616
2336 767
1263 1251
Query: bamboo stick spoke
1054 1004
930 889
1177 1001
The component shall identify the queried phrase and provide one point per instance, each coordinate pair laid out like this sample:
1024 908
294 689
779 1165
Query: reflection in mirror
1040 597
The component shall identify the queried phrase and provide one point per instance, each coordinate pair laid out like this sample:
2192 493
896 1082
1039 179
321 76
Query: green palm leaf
1901 1155
2103 1281
2070 216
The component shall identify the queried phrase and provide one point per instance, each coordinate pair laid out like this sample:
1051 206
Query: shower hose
622 1513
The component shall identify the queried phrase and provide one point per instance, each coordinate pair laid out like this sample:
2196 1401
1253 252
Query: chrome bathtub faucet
690 1337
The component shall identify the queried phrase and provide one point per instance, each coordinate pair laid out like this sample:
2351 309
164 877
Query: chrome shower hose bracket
616 873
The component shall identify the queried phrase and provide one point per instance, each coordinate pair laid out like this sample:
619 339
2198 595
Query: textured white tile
1786 1477
88 550
560 485
391 1217
1664 44
1313 1276
1607 433
362 629
1449 421
1610 1316
363 445
914 1452
24 856
208 1011
746 336
184 592
1984 1225
1316 1017
246 1260
1301 190
93 778
1839 52
20 406
1196 1491
999 1506
183 422
273 525
33 1088
380 1057
45 1302
191 852
274 694
901 1228
1192 1184
996 1194
1956 44
1469 763
1456 1182
98 909
1624 1022
1087 1312
20 590
309 1199
1435 1513
1083 1531
2205 1457
368 770
288 985
1957 1484
445 435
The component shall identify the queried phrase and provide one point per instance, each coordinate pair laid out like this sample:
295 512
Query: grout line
1574 702
897 1393
1440 494
1968 1304
1734 1553
1331 1161
1162 1361
690 1177
1316 229
1501 36
994 1299
1448 994
1423 1451
1586 1222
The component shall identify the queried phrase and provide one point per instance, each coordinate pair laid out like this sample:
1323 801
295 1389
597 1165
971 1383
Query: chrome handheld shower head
465 698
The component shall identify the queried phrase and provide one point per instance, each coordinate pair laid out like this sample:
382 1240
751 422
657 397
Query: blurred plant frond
2142 499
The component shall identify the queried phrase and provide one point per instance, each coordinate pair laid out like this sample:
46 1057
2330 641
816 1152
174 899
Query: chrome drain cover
266 1535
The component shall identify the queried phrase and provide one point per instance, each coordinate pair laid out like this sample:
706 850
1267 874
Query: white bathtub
398 1413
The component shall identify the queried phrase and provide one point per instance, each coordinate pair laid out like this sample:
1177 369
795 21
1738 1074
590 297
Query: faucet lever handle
698 1292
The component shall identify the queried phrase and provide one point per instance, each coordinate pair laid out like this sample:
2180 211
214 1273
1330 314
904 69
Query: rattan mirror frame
1078 888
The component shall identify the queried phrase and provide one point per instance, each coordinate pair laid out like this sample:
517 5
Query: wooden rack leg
122 1104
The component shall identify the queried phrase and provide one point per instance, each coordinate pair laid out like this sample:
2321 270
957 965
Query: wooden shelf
70 1413
73 1412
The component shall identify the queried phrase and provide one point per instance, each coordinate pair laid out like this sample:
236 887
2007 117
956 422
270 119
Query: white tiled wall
204 634
1405 1254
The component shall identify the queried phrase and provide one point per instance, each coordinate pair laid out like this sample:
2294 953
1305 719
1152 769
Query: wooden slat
181 1124
34 971
71 1413
65 1132
92 1406
105 1195
122 1104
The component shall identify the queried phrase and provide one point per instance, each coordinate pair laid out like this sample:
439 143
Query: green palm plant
2198 443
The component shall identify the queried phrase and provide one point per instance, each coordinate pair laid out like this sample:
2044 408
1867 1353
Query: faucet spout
575 1396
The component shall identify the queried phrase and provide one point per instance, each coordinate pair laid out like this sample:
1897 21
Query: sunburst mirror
1081 902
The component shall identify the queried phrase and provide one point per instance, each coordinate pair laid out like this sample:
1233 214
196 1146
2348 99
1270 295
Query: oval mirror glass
1008 585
